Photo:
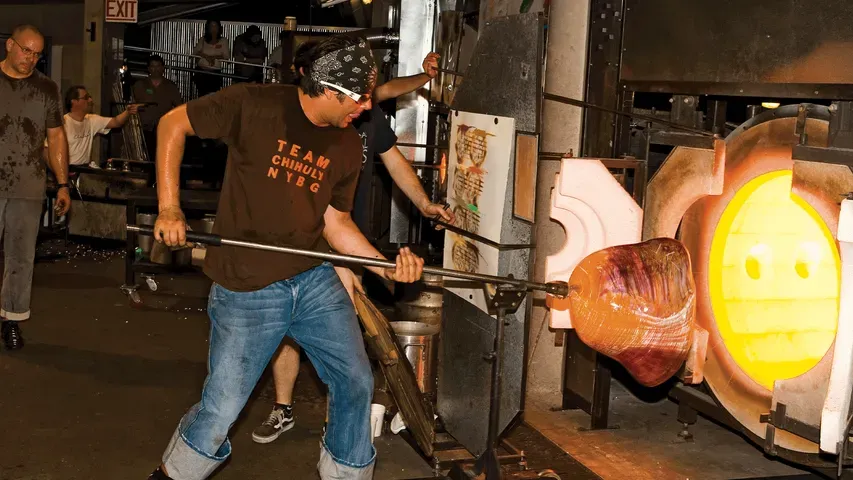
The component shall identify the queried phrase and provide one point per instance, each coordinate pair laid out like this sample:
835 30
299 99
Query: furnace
754 193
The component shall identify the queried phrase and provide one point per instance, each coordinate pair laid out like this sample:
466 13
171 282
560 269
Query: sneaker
94 165
280 420
11 333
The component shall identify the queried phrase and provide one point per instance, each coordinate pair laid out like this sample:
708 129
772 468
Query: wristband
63 185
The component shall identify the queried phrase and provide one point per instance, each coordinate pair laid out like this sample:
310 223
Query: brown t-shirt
283 172
28 108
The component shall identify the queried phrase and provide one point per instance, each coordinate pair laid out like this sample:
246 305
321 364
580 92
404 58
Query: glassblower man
259 297
377 138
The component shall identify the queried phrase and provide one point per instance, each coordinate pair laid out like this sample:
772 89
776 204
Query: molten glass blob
637 304
774 278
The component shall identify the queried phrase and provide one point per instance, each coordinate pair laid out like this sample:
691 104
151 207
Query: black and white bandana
352 68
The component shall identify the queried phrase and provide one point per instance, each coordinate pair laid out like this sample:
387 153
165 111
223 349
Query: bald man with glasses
30 113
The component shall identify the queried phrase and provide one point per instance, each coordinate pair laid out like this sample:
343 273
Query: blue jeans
246 328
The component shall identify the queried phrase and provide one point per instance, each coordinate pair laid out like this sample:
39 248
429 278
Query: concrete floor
643 443
100 386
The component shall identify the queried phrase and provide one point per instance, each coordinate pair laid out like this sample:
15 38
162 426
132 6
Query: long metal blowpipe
558 289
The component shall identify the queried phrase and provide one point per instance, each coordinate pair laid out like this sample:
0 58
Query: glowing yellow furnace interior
774 279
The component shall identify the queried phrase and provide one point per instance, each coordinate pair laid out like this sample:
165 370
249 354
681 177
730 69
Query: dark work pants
19 225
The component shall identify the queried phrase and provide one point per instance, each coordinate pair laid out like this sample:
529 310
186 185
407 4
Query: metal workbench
193 202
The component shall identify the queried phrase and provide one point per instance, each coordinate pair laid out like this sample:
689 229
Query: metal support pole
489 463
506 300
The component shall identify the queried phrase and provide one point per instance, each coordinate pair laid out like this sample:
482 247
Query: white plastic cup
397 424
377 418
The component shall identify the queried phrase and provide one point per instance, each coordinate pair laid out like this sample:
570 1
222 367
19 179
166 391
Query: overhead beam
166 2
36 2
167 12
81 2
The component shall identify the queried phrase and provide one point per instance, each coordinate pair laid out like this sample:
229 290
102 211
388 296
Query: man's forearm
122 117
345 237
170 152
119 120
57 155
404 176
400 86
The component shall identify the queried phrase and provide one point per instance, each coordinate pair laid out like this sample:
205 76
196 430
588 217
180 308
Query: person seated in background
250 47
212 48
159 95
81 125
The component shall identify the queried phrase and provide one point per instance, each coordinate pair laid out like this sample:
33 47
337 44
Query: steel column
586 381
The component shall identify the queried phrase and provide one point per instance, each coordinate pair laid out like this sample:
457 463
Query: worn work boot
11 333
159 475
280 420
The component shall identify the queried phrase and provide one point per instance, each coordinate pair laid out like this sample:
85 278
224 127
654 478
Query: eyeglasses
356 97
28 52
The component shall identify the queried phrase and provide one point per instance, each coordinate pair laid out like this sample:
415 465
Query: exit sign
122 11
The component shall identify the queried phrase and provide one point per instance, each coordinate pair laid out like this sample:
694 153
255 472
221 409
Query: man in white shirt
81 125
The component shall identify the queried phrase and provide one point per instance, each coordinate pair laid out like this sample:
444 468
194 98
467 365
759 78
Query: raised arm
344 236
405 177
401 170
404 85
119 120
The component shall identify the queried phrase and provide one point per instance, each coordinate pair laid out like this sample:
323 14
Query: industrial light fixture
367 2
770 104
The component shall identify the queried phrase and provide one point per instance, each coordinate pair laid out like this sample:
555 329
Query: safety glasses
356 97
28 52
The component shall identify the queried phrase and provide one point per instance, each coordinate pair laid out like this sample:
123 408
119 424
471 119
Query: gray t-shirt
28 107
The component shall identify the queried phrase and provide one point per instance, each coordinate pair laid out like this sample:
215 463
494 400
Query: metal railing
179 36
181 66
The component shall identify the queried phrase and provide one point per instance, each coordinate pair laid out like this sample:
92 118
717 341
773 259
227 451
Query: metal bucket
422 301
419 343
182 256
156 252
160 254
199 252
145 241
207 223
